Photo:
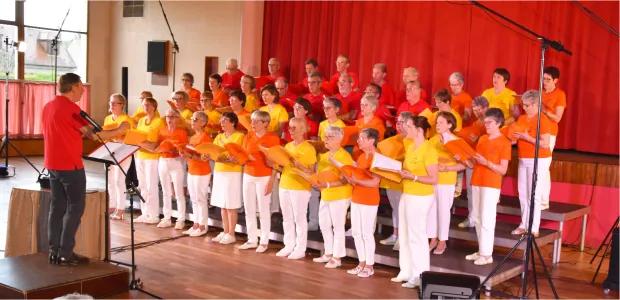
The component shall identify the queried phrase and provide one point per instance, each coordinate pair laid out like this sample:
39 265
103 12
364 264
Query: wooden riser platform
31 276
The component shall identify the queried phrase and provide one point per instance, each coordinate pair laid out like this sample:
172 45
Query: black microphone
85 116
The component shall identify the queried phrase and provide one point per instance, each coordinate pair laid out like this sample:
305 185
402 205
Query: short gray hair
335 130
480 101
458 77
530 96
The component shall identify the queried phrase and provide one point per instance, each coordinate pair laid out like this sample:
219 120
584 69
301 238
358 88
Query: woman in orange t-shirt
364 204
220 97
368 119
258 180
199 175
491 162
237 101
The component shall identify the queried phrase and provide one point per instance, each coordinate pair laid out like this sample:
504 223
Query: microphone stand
136 283
55 47
175 47
528 237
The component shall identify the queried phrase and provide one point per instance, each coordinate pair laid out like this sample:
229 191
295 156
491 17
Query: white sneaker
294 255
261 248
396 246
466 224
472 256
483 260
349 232
391 240
179 225
322 259
399 278
228 239
152 220
140 219
409 285
218 237
198 232
284 252
544 206
189 231
165 223
333 263
248 245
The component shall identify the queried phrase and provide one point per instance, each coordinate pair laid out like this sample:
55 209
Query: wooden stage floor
196 268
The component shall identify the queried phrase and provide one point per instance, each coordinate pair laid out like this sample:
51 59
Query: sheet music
382 162
121 152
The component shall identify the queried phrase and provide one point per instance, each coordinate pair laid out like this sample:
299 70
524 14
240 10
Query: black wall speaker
125 83
156 61
438 285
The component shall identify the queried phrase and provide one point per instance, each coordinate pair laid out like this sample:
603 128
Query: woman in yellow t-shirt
226 193
116 177
295 191
335 199
439 216
277 113
419 176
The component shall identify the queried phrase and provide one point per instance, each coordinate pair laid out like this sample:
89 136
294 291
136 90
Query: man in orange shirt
554 103
273 66
342 67
287 99
232 77
461 100
220 97
379 71
315 96
194 95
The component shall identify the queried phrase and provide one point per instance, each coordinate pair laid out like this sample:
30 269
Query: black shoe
53 258
72 260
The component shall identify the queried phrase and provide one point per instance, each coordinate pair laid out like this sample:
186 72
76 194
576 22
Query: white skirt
226 190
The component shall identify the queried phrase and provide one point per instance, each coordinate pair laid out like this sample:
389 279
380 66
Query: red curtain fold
441 37
26 102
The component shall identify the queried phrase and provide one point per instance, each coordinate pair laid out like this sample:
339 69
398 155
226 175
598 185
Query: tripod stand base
7 171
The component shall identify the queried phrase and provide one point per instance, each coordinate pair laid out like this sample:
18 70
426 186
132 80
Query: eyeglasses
185 79
171 116
177 98
116 103
314 82
292 127
298 107
194 119
328 107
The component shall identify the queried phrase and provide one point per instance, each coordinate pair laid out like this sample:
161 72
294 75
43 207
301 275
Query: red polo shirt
288 101
350 102
332 87
316 101
62 138
232 81
415 109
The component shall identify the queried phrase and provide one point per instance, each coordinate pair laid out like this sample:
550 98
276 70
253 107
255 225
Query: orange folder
392 147
134 137
236 151
356 172
350 136
212 150
110 126
245 121
278 155
460 148
318 145
328 175
511 129
223 109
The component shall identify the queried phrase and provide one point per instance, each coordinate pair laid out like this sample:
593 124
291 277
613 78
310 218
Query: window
133 9
42 20
8 55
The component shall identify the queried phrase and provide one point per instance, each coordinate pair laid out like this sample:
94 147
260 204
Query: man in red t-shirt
350 99
410 74
231 80
379 71
315 97
413 103
342 67
273 66
287 99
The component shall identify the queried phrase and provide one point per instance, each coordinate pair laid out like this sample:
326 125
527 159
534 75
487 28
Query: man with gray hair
231 79
273 66
379 72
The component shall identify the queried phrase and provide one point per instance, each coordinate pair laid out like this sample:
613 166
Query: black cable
145 244
597 18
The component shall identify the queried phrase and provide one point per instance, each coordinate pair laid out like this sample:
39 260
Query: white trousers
414 257
363 219
254 197
485 209
148 181
172 174
332 217
116 184
394 198
294 205
470 208
198 186
438 223
545 192
526 167
313 206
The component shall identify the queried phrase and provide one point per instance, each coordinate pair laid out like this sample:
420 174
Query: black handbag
44 180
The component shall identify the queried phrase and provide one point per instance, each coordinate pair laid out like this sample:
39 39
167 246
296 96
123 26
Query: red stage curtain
26 101
441 37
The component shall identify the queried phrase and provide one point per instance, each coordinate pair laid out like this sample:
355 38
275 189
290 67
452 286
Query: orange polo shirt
551 101
472 133
194 99
493 150
199 166
375 123
526 149
460 102
363 194
220 99
177 136
256 166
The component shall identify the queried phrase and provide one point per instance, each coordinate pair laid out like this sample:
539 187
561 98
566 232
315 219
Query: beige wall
201 28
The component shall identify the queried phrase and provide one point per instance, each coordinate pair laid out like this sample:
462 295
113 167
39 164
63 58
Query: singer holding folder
64 125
